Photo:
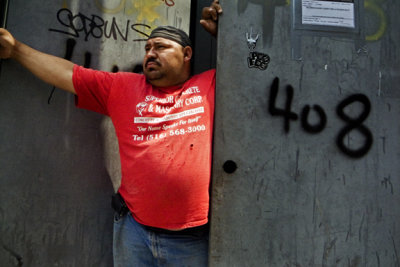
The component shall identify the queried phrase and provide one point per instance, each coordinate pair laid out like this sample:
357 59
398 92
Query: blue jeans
137 245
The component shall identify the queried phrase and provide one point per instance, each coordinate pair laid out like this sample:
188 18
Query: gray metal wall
59 164
294 186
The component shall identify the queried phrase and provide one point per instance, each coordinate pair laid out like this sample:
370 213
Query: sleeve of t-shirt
92 88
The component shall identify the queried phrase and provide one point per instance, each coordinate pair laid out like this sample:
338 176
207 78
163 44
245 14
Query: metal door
56 161
306 147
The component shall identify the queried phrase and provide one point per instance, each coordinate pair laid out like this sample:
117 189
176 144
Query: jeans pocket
118 217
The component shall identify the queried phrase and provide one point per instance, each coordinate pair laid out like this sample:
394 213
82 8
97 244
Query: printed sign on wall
329 13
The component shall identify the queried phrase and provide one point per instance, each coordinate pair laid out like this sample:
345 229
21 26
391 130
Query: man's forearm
51 69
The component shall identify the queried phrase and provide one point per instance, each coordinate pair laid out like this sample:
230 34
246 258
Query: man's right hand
7 44
53 70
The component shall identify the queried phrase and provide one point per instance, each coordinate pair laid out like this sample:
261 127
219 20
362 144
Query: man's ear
187 53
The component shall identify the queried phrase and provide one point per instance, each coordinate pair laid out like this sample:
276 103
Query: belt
119 205
193 231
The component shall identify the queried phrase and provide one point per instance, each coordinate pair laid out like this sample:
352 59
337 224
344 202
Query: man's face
164 62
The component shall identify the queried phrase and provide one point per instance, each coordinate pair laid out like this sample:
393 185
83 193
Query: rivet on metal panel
229 166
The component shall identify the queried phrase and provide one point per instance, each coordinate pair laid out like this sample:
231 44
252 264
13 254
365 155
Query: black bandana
171 33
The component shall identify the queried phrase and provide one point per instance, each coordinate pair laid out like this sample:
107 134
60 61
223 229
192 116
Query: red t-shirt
165 142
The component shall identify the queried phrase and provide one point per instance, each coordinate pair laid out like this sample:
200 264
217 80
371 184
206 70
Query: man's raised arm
51 69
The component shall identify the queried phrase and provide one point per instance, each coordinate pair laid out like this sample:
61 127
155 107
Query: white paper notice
330 13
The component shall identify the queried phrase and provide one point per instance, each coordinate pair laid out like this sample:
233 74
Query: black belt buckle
119 205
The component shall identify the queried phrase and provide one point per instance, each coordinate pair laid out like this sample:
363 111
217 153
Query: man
163 120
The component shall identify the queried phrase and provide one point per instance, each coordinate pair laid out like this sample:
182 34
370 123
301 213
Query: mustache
152 60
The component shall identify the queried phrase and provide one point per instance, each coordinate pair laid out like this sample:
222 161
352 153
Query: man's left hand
209 17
